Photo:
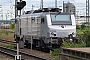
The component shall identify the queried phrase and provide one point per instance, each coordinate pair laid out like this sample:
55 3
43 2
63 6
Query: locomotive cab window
33 19
61 19
42 20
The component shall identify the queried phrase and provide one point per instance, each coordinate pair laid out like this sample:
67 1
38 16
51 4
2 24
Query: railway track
34 52
8 42
24 55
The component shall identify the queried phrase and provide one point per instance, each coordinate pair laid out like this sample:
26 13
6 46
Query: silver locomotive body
44 29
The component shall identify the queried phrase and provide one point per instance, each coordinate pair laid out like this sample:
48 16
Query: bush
83 26
55 54
73 45
12 26
78 27
86 36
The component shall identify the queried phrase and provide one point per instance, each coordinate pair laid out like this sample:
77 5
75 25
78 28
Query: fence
68 54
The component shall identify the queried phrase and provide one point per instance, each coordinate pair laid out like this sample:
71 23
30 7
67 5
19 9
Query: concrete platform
86 50
75 53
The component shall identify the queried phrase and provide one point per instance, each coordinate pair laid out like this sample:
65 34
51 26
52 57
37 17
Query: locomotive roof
43 12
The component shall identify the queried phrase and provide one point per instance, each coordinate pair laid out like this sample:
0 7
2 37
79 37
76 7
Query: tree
86 37
12 25
78 27
83 26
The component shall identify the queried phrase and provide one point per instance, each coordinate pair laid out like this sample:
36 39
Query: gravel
34 52
37 53
5 57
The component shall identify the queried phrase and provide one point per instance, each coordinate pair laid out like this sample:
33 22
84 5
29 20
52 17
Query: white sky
81 1
8 6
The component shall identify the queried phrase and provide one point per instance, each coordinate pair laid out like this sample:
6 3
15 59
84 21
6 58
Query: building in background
5 24
69 7
80 20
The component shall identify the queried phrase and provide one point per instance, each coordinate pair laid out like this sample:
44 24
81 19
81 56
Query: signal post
18 7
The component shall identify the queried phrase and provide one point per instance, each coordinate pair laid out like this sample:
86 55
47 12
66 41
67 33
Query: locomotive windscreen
61 19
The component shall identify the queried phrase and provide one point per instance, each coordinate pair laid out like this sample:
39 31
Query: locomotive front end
62 27
57 34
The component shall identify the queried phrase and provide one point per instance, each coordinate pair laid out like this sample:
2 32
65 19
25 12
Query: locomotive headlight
73 33
53 33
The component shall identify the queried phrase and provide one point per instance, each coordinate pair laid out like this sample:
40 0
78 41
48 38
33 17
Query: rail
24 55
8 42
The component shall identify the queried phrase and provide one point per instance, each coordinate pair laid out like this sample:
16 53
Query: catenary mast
87 11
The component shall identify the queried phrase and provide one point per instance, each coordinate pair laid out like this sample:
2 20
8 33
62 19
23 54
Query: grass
55 54
8 46
10 36
4 34
79 31
73 45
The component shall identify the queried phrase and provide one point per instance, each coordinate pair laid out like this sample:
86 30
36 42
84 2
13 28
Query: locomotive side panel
34 26
17 27
31 27
44 27
24 26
